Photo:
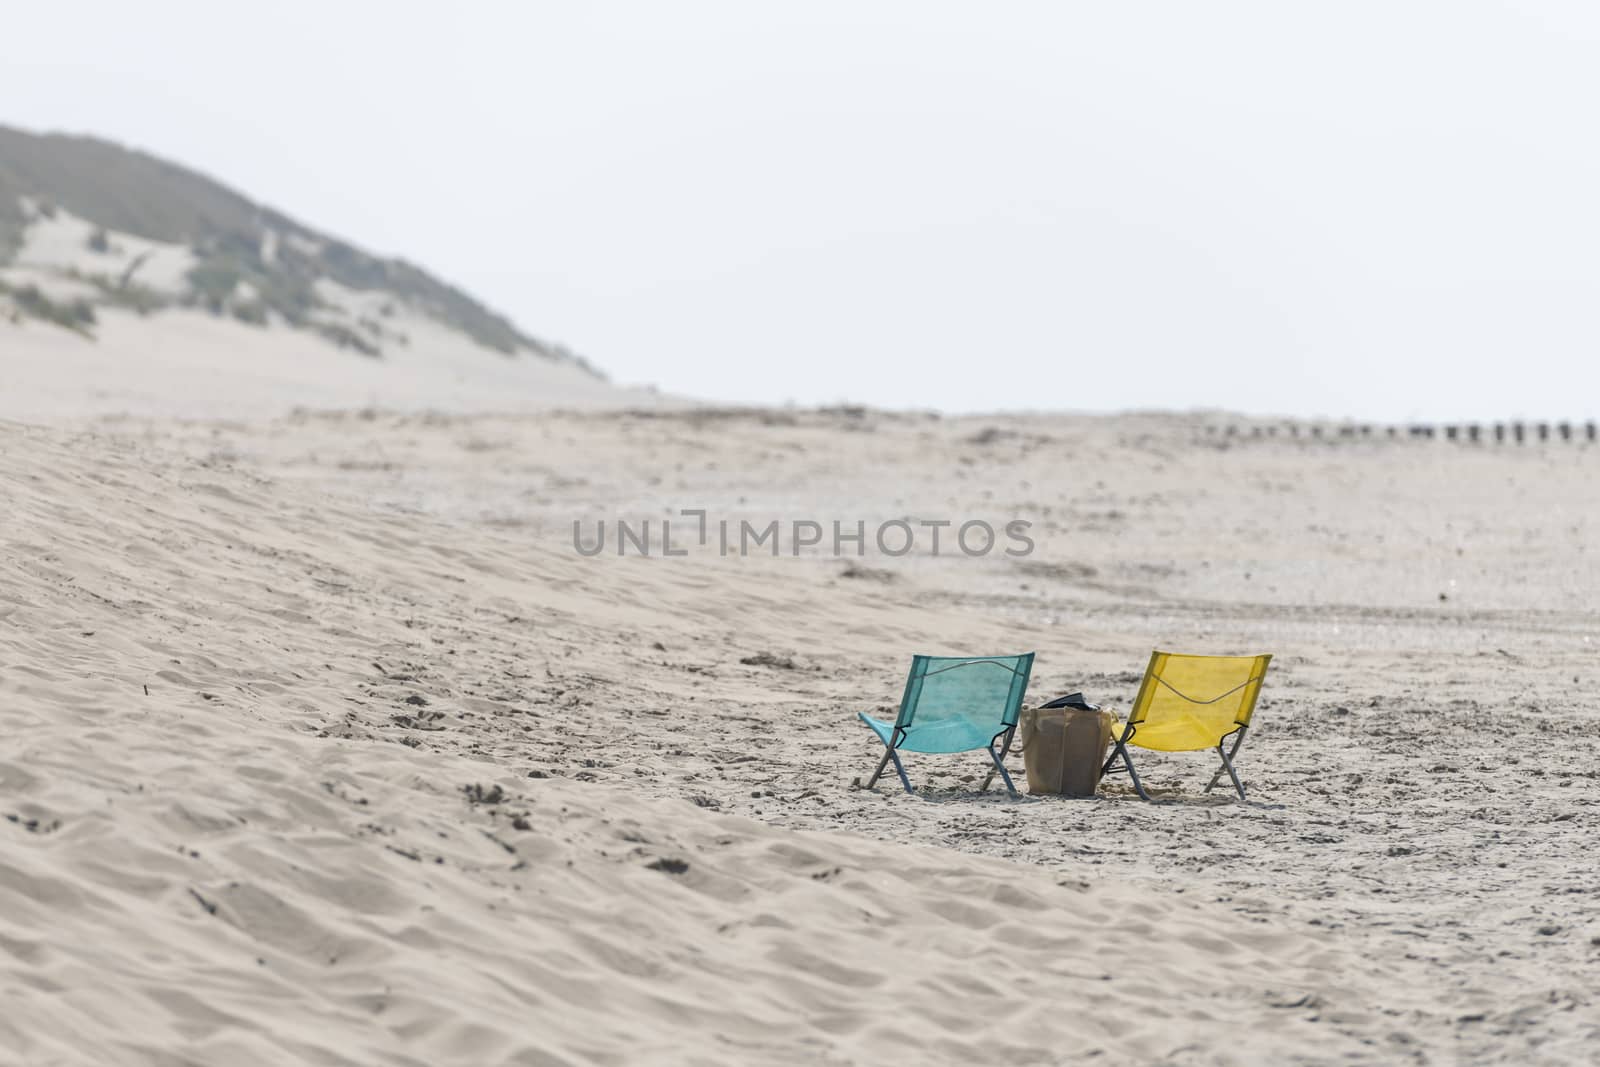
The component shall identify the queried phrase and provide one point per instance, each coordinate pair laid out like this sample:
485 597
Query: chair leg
1227 763
1121 749
1127 761
884 762
1118 748
1005 748
999 765
900 768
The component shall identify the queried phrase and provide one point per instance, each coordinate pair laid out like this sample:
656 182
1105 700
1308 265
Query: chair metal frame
998 758
1227 755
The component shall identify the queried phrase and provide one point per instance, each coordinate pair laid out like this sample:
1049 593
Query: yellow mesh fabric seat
1189 704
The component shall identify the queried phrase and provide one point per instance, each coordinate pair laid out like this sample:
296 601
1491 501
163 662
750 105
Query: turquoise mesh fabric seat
955 704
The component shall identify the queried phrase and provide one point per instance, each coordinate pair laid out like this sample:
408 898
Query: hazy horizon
1372 211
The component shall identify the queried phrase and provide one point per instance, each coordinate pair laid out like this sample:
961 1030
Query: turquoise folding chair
955 704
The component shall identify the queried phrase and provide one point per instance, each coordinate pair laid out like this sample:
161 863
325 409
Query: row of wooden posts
1470 432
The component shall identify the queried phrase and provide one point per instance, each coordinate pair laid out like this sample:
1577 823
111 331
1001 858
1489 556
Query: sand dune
189 364
95 321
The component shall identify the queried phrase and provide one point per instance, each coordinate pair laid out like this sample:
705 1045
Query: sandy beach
327 746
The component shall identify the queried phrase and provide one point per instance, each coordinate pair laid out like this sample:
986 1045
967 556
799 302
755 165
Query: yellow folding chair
1191 703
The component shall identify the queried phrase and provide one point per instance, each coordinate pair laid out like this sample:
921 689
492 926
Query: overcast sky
1383 210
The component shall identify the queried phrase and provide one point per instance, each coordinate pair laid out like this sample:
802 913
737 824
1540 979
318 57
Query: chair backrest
980 690
1212 693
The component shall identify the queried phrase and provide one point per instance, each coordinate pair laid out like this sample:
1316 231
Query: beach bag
1064 746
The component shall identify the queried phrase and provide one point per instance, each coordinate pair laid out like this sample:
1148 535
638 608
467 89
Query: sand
178 362
59 243
327 747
